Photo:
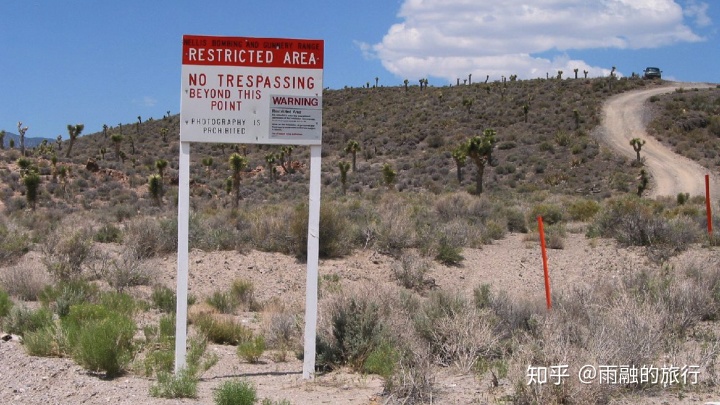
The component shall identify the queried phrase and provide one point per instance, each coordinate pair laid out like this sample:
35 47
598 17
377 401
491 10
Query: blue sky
107 62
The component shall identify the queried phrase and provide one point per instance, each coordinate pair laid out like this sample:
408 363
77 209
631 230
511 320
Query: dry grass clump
24 281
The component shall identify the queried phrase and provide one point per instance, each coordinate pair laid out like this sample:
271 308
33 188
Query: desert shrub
516 315
447 253
583 210
413 380
184 383
334 238
101 339
482 296
251 349
242 293
63 295
516 221
635 222
222 301
356 329
48 341
22 320
5 304
108 233
65 252
125 271
180 385
164 299
24 281
160 347
222 331
118 302
550 213
235 392
410 271
14 243
382 360
148 237
457 333
463 206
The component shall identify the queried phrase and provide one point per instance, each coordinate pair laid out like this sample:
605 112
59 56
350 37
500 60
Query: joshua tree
21 132
388 175
576 114
344 168
237 164
155 186
559 75
637 145
31 180
117 141
58 141
643 183
470 79
376 81
459 155
467 103
406 81
526 108
353 147
73 131
286 158
2 139
585 73
105 129
270 159
102 151
161 164
479 149
576 72
137 126
163 134
207 162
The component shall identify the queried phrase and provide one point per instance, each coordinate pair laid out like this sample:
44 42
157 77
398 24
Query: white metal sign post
251 90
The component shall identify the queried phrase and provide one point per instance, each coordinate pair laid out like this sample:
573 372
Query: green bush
357 329
550 213
382 360
252 349
108 233
22 320
448 254
334 239
235 393
583 210
100 339
5 304
243 293
182 385
222 301
66 294
164 299
45 342
14 243
222 331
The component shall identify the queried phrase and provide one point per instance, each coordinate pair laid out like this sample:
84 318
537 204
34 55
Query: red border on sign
253 52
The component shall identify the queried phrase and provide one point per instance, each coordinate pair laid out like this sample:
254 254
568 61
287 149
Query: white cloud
452 38
146 101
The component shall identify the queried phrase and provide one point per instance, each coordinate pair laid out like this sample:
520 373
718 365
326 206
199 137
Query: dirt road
623 120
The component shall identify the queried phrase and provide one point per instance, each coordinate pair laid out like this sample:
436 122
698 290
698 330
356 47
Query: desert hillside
430 290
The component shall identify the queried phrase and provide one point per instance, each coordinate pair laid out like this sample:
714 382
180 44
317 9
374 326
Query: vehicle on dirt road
652 73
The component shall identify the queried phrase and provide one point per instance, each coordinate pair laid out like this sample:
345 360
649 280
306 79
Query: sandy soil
624 119
513 264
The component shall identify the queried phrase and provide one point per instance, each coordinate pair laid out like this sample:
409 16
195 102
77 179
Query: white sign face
251 90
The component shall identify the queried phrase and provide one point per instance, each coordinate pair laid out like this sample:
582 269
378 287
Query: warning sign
251 90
